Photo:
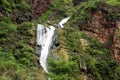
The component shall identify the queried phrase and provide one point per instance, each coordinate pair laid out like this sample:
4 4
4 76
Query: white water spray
44 41
63 21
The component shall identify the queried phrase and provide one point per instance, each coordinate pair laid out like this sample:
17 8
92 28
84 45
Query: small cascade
46 39
63 21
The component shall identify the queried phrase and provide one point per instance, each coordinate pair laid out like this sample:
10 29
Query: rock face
105 29
115 48
39 6
99 27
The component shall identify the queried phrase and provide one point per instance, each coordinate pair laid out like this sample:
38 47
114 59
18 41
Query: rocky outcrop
99 27
105 28
115 48
39 6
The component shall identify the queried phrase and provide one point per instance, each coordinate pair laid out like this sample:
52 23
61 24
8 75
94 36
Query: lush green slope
80 56
88 58
17 47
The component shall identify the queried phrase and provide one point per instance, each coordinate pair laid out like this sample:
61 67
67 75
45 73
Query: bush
62 70
6 26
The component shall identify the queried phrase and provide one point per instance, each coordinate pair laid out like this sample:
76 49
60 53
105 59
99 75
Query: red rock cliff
105 29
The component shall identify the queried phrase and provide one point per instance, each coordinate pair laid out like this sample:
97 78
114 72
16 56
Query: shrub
62 70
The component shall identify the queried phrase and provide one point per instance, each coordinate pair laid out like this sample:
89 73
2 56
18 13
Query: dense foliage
77 61
93 59
17 55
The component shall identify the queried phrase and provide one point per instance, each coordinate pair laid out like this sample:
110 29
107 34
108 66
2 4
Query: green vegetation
113 2
97 57
91 60
61 70
17 55
56 11
18 60
8 5
84 10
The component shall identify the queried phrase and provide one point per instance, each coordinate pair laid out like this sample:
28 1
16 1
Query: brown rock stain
105 31
39 6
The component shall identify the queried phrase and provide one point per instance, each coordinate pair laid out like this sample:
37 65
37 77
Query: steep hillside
101 21
18 60
88 44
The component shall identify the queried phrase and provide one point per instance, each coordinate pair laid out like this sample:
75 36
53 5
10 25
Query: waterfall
45 40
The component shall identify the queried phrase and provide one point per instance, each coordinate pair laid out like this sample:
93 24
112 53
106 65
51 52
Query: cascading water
63 21
45 41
